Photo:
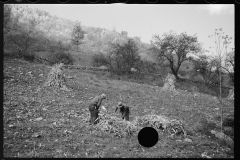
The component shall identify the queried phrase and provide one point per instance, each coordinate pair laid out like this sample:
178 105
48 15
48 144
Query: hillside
52 32
55 28
42 122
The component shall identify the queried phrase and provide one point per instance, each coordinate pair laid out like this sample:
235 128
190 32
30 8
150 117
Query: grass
41 122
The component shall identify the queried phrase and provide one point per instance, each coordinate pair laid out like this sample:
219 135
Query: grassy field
41 122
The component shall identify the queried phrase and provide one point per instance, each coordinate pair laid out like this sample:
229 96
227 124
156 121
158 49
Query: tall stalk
221 42
220 94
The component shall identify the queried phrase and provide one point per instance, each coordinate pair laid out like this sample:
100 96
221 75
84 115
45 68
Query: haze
145 20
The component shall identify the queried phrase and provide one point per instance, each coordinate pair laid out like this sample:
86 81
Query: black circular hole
147 137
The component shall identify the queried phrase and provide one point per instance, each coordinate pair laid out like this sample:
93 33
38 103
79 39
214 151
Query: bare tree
222 42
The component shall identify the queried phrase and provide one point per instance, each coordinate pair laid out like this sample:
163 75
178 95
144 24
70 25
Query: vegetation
123 57
221 45
230 63
41 121
169 44
6 21
99 60
77 35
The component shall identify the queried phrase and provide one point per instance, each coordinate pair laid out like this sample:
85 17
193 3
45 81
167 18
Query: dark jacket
95 103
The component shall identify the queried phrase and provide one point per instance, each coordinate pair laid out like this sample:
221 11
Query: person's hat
119 103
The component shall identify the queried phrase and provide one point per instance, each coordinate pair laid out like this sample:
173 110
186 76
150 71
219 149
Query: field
41 122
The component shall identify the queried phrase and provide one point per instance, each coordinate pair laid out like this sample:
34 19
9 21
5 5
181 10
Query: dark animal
124 110
94 107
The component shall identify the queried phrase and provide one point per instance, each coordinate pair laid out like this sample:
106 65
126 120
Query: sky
145 20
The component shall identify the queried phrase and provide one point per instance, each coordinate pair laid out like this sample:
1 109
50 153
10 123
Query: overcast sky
145 20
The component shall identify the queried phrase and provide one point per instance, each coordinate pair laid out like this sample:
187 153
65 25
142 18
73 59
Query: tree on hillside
230 64
125 56
124 33
170 44
7 19
77 35
23 35
207 66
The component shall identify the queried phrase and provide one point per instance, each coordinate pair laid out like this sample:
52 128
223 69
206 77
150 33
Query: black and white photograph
118 80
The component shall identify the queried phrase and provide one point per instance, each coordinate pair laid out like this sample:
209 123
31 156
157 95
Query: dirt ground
42 122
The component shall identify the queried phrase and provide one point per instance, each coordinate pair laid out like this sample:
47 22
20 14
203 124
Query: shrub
99 60
58 57
28 57
204 126
64 58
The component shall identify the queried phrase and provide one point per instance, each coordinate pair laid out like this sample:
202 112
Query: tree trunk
174 72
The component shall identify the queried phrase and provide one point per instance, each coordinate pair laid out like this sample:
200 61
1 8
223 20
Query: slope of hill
42 122
55 28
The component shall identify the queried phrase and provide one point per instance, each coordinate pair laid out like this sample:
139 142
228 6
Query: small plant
204 126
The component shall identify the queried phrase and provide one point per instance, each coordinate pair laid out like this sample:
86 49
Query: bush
64 58
58 57
9 54
99 60
203 126
28 57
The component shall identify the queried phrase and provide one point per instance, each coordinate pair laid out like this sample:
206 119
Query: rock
36 135
104 108
70 77
229 131
25 98
217 134
224 137
188 140
204 155
44 109
38 119
11 126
